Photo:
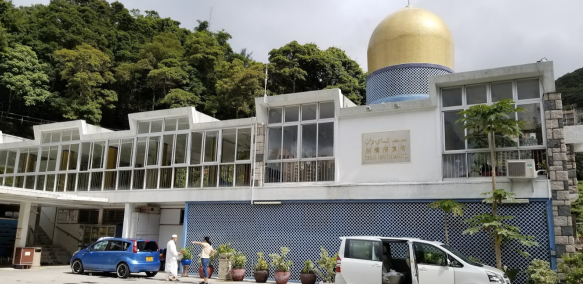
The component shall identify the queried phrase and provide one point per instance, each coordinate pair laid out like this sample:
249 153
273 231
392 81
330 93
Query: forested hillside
99 61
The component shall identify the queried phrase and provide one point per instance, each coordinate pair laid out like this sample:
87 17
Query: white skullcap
175 236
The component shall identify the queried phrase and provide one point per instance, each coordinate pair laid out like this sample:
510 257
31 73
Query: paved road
63 275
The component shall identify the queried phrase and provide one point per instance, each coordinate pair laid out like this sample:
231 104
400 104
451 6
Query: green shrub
186 254
308 267
540 272
572 266
238 260
261 263
225 248
280 261
326 266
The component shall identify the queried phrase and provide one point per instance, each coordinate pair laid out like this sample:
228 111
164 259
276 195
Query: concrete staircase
52 254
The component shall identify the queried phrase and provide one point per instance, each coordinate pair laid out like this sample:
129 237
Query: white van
385 260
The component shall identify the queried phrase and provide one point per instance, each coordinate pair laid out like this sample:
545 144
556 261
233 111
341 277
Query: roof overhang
18 195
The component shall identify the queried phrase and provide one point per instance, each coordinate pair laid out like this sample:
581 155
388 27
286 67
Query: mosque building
312 167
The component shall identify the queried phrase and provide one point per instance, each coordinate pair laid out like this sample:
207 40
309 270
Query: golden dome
410 35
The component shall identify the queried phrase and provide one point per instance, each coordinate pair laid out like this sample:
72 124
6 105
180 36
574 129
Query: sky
487 33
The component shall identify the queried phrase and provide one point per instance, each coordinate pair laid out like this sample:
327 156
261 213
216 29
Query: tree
23 75
86 70
448 206
179 98
3 39
238 87
489 121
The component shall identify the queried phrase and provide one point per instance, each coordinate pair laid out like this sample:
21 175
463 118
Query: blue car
119 255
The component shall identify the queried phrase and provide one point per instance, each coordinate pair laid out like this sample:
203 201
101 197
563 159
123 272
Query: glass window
244 144
100 246
290 142
501 91
532 129
326 110
52 163
73 156
125 156
124 180
46 137
183 123
56 136
210 146
166 178
226 175
44 158
326 170
243 175
228 145
453 132
170 124
156 126
138 180
143 127
83 182
210 176
98 151
274 143
11 162
309 140
85 154
180 177
195 148
364 249
477 94
275 115
112 152
181 143
140 152
309 112
292 113
168 148
3 155
326 139
66 135
22 160
429 255
40 183
153 144
32 160
451 97
116 246
528 89
75 135
194 177
152 179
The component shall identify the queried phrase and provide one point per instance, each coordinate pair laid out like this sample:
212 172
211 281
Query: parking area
63 275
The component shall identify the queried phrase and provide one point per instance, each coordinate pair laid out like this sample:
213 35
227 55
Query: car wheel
77 267
122 270
151 273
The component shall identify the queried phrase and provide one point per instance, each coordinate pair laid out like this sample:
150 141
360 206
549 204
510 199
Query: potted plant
281 265
210 268
238 261
326 266
225 250
261 269
308 275
185 261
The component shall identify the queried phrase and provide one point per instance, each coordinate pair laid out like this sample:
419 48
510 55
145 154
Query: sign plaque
386 147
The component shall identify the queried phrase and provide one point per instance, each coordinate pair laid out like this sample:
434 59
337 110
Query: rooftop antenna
408 3
265 90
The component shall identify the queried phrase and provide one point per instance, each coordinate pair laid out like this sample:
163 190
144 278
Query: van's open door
362 262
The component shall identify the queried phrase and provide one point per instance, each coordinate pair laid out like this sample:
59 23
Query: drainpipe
254 160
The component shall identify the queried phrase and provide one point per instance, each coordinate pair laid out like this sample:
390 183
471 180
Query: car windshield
460 255
147 246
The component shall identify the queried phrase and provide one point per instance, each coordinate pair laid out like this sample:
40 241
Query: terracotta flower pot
237 274
308 278
261 275
281 277
209 269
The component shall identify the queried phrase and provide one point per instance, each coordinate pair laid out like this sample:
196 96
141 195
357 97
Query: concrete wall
425 145
48 217
62 239
170 225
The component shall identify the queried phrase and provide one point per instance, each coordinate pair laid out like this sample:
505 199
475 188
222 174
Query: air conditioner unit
521 169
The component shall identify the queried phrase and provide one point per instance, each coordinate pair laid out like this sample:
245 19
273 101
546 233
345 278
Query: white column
127 220
22 227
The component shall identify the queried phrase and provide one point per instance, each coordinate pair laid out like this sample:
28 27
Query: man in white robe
172 259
